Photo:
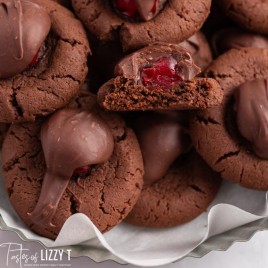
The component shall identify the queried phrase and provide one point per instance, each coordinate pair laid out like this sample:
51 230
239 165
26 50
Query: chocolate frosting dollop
24 26
230 38
71 138
251 107
131 66
162 138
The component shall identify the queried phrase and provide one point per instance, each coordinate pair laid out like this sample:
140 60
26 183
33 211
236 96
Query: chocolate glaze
162 138
24 26
251 108
131 65
71 138
227 39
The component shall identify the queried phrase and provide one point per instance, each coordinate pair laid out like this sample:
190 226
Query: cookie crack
15 104
196 188
72 42
226 156
12 163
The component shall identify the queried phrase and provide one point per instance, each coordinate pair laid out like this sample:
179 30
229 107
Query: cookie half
180 196
106 195
214 131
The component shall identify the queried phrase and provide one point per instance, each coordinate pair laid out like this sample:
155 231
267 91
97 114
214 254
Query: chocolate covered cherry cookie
137 23
80 159
178 183
249 14
232 138
43 55
160 76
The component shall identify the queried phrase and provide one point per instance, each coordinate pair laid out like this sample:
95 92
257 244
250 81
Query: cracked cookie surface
178 20
180 196
214 131
106 196
249 14
56 79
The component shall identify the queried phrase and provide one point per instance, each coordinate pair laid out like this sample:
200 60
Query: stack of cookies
116 109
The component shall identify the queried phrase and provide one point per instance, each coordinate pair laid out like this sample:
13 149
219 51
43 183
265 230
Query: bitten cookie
178 184
231 137
44 69
160 76
139 23
71 169
249 14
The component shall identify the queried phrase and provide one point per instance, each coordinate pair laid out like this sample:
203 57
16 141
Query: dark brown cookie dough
121 95
249 14
178 20
214 131
56 78
106 196
180 196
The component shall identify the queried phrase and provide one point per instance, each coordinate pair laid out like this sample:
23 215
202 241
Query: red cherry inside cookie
163 73
81 172
128 8
35 59
137 9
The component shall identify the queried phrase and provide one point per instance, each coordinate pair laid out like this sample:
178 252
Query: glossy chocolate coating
235 38
24 26
163 139
131 65
71 138
251 106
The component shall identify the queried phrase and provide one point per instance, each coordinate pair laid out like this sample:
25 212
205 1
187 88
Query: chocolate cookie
105 192
181 195
249 14
229 38
137 23
160 76
229 146
44 69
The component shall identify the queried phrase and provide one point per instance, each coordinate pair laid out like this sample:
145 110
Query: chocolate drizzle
71 138
24 27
